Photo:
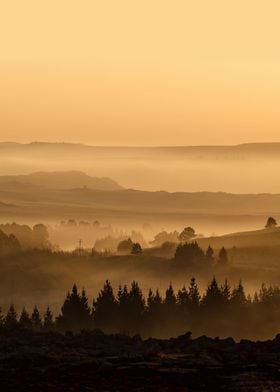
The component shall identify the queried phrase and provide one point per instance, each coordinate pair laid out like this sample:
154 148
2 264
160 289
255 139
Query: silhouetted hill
58 180
255 238
245 168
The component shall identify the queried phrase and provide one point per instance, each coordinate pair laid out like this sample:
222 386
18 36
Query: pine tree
25 320
194 294
226 291
75 313
11 318
170 298
213 296
105 308
48 320
183 298
238 296
36 319
154 301
223 257
209 255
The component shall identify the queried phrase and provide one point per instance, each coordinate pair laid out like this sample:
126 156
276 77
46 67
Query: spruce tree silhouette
36 319
136 307
105 308
24 320
209 255
238 296
75 313
11 318
213 297
170 298
48 320
223 257
122 309
183 299
194 294
154 303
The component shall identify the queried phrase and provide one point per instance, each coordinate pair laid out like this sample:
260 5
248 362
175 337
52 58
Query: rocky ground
92 361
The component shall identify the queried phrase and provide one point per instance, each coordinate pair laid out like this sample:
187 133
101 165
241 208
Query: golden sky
149 72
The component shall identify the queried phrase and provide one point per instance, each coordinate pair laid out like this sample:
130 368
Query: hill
246 168
255 238
58 180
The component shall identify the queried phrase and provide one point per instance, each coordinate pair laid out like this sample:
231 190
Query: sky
149 72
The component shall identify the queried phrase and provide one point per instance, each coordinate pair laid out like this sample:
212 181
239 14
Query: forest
150 288
220 311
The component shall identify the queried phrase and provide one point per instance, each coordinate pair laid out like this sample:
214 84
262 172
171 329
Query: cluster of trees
8 244
33 321
24 236
219 311
187 234
128 246
190 254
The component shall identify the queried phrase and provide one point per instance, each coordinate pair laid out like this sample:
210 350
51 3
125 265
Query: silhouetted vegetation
219 311
271 222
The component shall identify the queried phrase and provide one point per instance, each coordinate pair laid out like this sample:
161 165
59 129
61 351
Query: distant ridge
243 168
60 180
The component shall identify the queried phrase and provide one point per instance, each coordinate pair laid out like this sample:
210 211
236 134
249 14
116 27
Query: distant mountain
58 180
245 168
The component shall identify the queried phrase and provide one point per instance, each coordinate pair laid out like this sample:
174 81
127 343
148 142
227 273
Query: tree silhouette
170 298
213 297
75 313
36 319
187 234
104 308
136 249
209 255
154 301
194 294
271 222
11 318
24 320
125 246
136 304
189 254
48 320
238 297
223 257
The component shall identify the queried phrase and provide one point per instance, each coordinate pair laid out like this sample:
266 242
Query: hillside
58 180
256 238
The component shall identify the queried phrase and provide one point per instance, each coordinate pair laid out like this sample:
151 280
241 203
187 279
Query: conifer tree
36 319
48 320
209 255
223 257
105 308
11 318
25 320
75 313
194 294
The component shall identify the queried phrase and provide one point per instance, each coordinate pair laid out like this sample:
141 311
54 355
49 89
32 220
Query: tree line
219 311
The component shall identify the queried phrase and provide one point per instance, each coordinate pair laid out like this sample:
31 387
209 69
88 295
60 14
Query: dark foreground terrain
92 361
